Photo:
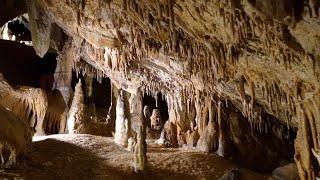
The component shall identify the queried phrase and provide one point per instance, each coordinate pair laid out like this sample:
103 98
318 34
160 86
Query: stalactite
40 27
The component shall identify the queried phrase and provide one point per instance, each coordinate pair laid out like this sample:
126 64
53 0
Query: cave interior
160 89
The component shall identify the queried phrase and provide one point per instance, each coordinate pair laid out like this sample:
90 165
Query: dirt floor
94 157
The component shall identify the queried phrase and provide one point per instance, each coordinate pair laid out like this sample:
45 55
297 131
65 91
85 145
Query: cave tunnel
160 89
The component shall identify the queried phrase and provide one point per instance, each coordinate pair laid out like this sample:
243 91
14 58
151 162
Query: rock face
259 57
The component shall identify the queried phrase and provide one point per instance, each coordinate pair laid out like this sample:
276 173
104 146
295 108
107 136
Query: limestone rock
147 115
28 104
131 144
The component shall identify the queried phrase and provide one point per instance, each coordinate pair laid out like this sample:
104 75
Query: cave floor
93 157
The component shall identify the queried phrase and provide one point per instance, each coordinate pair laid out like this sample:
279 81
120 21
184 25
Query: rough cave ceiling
262 56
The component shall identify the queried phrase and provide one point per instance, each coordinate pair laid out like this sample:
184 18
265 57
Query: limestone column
122 124
139 127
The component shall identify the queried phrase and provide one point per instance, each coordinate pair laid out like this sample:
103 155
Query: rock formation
138 126
209 140
140 151
76 112
56 115
168 135
28 104
122 125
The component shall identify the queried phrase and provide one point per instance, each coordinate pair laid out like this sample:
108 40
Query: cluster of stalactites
83 68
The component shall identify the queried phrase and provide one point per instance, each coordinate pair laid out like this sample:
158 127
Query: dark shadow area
102 92
33 70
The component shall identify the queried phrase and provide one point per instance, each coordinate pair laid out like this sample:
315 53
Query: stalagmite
168 135
136 111
140 151
302 147
138 125
122 124
63 77
76 112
